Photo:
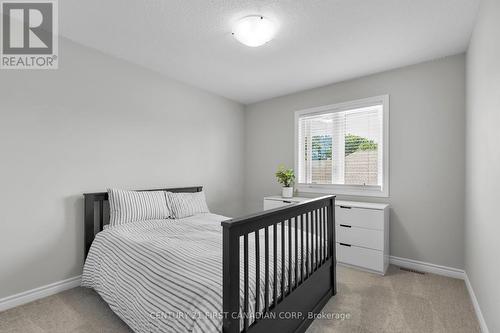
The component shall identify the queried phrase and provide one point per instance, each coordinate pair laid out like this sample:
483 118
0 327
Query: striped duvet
166 275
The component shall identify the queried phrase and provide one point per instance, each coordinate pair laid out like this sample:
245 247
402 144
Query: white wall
98 122
483 163
427 152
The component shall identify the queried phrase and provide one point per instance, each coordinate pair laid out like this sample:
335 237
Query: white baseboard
37 293
445 271
479 314
428 267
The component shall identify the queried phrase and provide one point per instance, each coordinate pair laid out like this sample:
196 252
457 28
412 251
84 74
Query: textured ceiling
318 42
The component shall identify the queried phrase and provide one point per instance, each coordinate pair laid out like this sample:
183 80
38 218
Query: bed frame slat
317 239
308 252
275 265
321 237
313 241
257 273
101 215
290 256
324 236
245 282
302 254
266 270
283 272
296 262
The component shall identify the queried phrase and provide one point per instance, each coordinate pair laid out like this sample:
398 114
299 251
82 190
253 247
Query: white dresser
362 235
278 201
362 232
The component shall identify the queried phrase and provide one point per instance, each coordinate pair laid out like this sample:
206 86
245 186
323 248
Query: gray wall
483 163
427 152
98 122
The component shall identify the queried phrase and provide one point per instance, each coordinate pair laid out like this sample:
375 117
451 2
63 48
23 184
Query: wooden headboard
96 214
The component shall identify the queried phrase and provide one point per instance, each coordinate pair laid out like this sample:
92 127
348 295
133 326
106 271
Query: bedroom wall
98 122
483 163
426 152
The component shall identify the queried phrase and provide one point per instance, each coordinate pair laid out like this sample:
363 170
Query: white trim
445 271
475 303
352 190
428 267
371 191
37 293
363 269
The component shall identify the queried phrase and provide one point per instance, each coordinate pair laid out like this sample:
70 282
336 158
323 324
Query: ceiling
318 41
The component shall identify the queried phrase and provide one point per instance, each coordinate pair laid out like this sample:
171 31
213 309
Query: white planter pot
287 192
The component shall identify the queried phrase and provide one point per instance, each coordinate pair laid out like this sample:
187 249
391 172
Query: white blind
341 147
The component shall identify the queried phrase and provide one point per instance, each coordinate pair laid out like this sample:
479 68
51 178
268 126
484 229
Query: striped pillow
132 206
187 204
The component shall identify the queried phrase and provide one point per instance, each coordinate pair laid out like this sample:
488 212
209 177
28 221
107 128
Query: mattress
166 275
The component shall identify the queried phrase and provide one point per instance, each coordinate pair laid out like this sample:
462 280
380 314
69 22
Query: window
343 148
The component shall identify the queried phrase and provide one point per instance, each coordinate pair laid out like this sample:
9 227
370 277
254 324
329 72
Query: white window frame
354 190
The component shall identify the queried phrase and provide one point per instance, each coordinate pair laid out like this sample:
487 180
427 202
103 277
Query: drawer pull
345 207
287 201
345 226
344 244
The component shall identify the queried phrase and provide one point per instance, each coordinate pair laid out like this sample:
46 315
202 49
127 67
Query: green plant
285 176
354 143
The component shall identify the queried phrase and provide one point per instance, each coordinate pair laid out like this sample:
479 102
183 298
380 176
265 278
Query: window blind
341 147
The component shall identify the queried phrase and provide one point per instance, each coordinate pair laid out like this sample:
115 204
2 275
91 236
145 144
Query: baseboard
475 303
445 271
428 267
37 293
359 268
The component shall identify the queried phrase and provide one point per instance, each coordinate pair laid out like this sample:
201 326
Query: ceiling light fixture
254 30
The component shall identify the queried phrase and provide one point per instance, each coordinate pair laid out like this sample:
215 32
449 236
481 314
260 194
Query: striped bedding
186 204
166 275
131 206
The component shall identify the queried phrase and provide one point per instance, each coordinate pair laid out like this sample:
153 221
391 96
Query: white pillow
132 206
187 204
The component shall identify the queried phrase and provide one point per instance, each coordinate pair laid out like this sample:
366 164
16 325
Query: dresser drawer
361 257
271 204
359 217
369 238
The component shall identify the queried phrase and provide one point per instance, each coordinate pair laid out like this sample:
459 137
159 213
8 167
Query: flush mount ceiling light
254 30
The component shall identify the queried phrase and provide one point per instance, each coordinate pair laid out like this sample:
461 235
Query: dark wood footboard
296 288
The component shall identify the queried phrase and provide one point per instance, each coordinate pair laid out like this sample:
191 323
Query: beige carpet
398 302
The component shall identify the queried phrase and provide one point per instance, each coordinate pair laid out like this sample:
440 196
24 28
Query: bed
206 273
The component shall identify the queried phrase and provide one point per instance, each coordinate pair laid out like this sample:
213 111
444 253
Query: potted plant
286 177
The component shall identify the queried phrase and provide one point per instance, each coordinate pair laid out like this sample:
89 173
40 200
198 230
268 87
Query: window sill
343 190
